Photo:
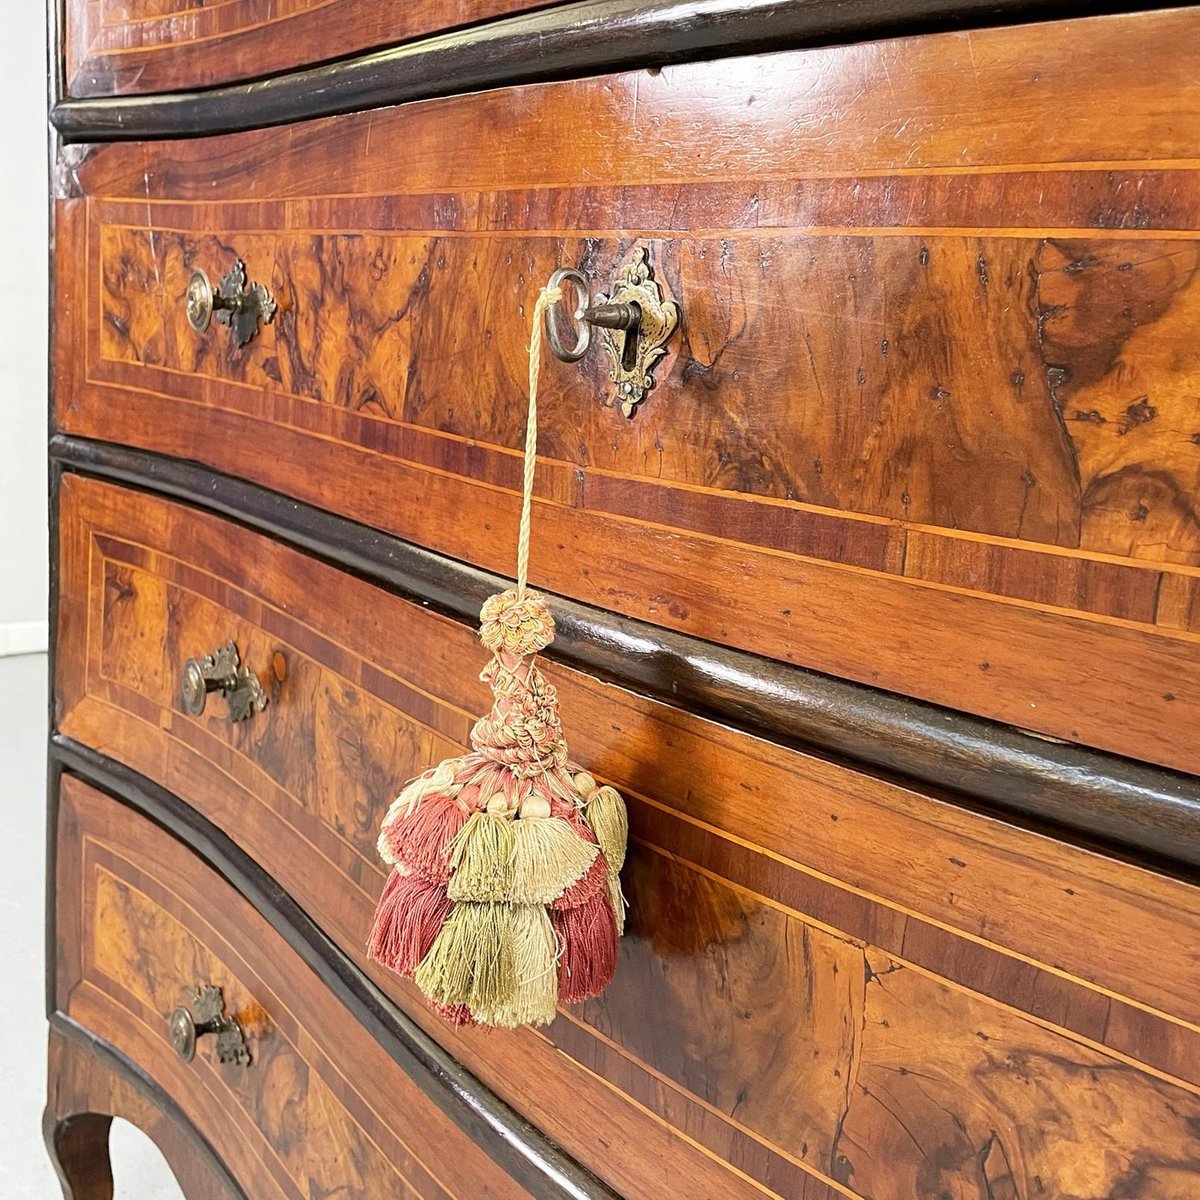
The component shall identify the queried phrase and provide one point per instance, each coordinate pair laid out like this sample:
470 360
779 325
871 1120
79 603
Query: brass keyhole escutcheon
222 671
235 302
209 1017
635 324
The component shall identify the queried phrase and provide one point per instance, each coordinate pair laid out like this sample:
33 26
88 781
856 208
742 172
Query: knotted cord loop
546 297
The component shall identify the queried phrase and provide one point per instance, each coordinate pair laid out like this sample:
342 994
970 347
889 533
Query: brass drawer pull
635 325
210 1017
235 303
221 671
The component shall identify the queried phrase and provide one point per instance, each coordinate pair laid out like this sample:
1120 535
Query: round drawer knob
183 1034
210 1018
199 301
195 687
234 302
222 671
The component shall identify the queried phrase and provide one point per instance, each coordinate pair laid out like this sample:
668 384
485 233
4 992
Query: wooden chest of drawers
881 609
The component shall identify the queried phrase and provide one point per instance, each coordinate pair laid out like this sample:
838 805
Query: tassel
419 839
454 1014
588 934
548 856
535 950
504 899
606 815
410 915
594 881
481 859
472 959
617 899
436 779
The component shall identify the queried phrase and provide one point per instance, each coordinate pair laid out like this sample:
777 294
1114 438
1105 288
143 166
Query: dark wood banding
1093 797
145 48
528 1156
590 38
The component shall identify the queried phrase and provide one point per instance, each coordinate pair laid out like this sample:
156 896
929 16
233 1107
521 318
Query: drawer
126 47
829 983
919 430
321 1109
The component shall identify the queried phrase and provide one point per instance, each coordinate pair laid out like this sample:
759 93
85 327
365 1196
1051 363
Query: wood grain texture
1013 509
527 1155
587 38
903 951
321 1110
1002 98
132 48
1133 808
89 1085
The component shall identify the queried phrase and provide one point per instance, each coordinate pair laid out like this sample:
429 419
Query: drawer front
928 424
830 984
321 1109
126 47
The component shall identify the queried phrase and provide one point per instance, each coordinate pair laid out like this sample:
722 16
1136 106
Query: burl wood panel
125 47
930 424
321 1110
831 984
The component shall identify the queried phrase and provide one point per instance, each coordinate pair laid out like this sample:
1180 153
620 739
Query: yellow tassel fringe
535 953
481 858
606 815
548 856
617 899
472 960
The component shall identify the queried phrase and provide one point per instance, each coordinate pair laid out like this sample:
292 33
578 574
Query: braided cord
545 298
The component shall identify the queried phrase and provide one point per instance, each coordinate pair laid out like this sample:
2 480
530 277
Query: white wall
23 291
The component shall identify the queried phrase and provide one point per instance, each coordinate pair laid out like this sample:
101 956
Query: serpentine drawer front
777 902
874 557
915 377
127 47
319 1108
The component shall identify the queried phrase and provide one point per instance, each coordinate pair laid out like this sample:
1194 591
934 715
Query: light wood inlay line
710 829
1064 233
659 1120
1181 635
954 985
192 920
569 185
157 1031
885 902
203 12
680 1090
544 460
181 567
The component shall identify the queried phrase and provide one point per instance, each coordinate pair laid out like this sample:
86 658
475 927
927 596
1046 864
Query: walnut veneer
917 483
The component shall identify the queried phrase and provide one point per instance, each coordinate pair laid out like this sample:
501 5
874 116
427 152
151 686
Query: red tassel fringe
456 1014
588 934
411 912
419 840
593 883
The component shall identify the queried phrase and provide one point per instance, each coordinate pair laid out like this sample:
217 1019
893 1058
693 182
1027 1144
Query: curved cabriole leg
78 1148
89 1084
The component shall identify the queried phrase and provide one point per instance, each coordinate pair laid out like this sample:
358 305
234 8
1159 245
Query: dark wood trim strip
538 1164
1087 795
116 1063
590 38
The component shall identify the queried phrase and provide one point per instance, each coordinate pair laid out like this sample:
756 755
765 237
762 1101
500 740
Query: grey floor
25 1171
